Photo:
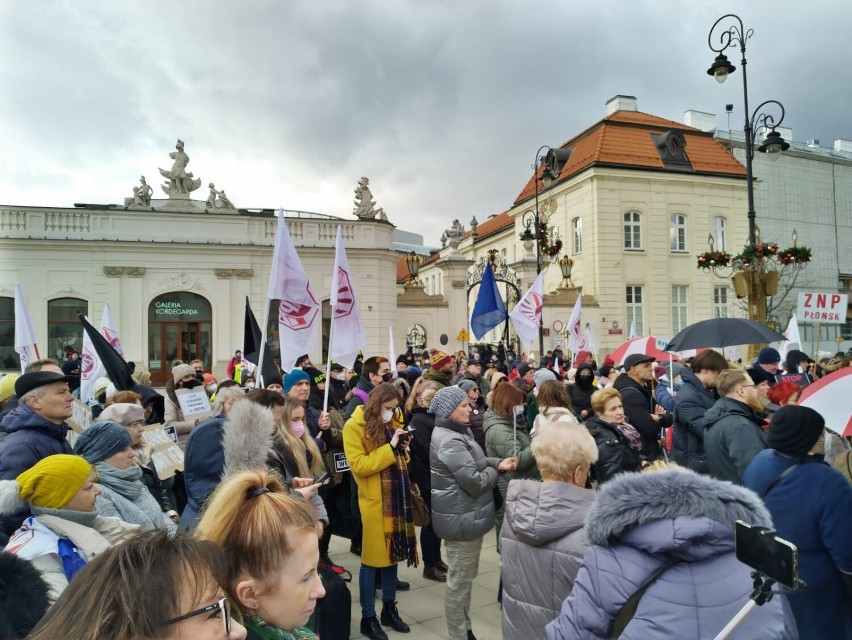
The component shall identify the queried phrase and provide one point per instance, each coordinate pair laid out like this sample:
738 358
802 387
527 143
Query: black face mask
387 377
191 384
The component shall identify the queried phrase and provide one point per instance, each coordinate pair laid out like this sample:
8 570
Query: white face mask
519 409
340 376
250 385
387 416
211 388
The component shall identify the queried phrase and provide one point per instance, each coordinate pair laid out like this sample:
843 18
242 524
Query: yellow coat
366 468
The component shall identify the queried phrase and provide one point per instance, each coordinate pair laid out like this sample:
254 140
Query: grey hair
224 394
559 448
38 392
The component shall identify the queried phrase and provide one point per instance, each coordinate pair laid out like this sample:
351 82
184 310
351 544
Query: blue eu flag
489 310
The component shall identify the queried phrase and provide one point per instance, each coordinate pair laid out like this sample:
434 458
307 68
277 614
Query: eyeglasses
744 386
223 605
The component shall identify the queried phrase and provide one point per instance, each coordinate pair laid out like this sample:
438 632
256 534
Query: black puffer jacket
581 395
638 408
423 423
476 415
614 453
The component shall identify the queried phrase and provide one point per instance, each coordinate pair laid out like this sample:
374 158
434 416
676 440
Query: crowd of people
613 492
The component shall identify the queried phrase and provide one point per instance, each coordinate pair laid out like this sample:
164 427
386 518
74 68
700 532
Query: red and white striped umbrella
830 396
646 345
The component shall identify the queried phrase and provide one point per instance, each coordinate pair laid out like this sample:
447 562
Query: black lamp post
774 144
534 218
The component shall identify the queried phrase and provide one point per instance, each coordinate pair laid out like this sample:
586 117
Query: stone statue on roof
455 234
365 206
141 195
180 181
218 200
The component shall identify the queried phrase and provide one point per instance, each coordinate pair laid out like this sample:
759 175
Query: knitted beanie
53 481
794 430
181 371
466 384
294 376
102 440
543 375
123 413
446 400
768 355
439 359
7 386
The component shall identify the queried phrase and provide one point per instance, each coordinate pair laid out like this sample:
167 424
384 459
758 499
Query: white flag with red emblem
25 341
576 342
91 368
109 331
526 316
347 334
298 309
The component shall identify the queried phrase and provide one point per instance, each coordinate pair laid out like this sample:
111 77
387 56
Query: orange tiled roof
493 225
624 139
401 270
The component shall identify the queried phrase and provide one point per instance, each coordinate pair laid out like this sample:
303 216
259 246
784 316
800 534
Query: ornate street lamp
413 262
535 221
565 265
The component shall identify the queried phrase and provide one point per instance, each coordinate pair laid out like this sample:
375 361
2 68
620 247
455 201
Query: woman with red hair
784 393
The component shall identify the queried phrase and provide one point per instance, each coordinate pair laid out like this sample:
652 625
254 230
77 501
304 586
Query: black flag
116 368
251 338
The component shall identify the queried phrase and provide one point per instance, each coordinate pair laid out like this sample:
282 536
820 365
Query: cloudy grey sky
441 103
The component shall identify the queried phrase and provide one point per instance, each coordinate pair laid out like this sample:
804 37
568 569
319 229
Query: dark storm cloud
441 104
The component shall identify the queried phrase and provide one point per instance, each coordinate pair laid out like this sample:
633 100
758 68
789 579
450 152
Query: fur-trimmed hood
633 501
247 437
10 497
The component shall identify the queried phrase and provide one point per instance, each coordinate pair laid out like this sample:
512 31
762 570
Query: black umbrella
723 332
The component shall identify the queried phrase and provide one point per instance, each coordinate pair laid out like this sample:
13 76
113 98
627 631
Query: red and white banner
526 316
298 309
825 308
25 341
109 330
347 334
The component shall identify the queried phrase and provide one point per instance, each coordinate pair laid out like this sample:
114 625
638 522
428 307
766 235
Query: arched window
415 338
677 232
180 327
63 326
720 238
8 356
633 231
577 234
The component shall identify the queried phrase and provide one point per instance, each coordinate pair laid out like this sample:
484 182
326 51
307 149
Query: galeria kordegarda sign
173 309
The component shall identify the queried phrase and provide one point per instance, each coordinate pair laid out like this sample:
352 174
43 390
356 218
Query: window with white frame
577 233
720 238
633 231
679 321
720 302
633 300
677 232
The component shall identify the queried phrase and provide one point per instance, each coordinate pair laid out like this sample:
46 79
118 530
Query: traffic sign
463 337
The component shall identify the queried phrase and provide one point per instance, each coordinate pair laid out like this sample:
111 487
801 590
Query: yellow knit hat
53 481
7 386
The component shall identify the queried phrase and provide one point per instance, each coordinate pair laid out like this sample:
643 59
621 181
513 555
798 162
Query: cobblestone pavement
422 608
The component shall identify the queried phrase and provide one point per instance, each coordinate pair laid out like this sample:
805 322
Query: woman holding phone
377 450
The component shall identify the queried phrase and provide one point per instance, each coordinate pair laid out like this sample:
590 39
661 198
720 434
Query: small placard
193 402
800 379
341 464
167 456
81 416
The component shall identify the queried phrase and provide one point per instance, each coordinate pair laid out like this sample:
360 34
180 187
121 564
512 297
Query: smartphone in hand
323 480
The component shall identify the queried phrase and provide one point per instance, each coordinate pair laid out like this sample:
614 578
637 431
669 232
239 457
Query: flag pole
328 363
263 331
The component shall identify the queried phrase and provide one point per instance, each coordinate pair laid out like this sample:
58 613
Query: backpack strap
780 477
628 609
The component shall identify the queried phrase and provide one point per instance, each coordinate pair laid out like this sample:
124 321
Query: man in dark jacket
639 405
36 428
474 372
693 400
440 368
374 371
732 427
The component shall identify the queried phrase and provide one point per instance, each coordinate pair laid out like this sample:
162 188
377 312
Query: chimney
620 103
700 120
843 145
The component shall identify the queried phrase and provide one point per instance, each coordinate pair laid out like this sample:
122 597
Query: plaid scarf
629 432
397 511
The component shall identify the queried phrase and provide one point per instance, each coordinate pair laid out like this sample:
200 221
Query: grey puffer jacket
732 437
639 521
542 547
462 482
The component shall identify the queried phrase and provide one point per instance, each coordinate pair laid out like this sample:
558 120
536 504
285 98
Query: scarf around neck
397 512
267 631
125 482
85 518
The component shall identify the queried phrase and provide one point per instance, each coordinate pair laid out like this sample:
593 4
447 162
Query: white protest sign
166 455
826 308
193 402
